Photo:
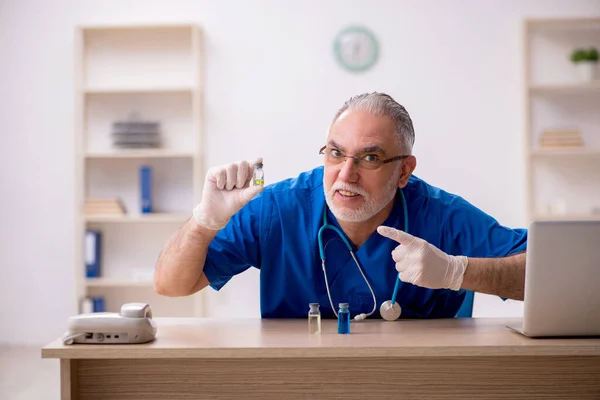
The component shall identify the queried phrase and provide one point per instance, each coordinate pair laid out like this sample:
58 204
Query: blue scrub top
277 233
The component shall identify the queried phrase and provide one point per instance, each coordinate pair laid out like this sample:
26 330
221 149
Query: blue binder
146 189
99 304
93 251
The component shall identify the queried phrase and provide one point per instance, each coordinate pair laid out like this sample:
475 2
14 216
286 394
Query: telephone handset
136 310
133 324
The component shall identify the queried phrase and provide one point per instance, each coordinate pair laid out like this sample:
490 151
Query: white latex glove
423 264
226 190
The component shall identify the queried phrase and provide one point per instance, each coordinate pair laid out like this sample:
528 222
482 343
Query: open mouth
346 193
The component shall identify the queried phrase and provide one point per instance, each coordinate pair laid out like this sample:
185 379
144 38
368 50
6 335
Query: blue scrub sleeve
236 247
470 232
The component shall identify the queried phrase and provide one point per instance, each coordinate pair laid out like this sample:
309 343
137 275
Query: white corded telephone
134 324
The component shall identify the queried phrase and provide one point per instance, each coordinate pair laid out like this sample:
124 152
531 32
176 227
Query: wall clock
356 49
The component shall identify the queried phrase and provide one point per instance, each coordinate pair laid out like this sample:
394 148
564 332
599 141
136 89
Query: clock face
356 49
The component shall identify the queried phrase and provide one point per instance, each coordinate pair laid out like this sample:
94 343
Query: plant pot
586 70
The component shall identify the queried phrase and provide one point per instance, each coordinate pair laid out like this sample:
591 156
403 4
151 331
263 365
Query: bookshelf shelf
139 90
138 137
564 24
576 88
117 282
145 153
568 217
565 152
141 218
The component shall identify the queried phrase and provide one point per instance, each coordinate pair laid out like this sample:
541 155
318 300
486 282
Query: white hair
384 104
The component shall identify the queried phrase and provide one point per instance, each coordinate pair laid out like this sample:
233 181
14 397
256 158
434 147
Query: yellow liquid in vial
314 324
260 182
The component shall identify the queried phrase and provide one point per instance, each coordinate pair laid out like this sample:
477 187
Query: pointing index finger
396 235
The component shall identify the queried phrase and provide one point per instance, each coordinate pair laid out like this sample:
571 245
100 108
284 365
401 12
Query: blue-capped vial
344 319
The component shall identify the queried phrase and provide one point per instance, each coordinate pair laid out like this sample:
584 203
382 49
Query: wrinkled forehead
360 130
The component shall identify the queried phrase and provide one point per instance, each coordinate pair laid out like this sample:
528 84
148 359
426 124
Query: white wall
272 87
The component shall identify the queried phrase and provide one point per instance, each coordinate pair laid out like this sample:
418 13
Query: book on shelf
146 189
561 138
93 253
104 206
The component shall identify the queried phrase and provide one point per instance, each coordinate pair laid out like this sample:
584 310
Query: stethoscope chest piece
390 312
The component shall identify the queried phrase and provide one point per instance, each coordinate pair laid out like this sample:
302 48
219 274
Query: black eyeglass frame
380 162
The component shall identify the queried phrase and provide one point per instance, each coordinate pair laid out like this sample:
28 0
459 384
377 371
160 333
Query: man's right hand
226 190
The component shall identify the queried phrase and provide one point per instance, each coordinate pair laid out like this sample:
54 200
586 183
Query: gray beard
368 210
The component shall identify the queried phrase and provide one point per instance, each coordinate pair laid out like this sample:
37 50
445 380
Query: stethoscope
390 310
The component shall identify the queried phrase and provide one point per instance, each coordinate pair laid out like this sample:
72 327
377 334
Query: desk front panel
547 377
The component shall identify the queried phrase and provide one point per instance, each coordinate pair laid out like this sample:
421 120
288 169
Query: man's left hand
423 264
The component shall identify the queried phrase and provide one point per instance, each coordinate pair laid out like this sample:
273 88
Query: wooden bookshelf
564 179
155 73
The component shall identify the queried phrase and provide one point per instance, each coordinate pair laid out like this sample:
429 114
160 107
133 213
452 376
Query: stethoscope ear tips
360 317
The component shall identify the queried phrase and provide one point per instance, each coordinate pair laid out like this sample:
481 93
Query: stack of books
135 134
561 138
104 206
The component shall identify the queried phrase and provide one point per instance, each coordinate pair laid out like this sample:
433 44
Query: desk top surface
262 338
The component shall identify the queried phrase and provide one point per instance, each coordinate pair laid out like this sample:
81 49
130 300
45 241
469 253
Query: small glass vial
314 319
343 319
258 177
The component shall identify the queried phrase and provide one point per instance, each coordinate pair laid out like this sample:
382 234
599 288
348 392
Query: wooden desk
449 359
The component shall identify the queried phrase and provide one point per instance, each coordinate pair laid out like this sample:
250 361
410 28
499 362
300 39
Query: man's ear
408 166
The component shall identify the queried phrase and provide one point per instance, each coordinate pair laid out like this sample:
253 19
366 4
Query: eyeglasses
365 161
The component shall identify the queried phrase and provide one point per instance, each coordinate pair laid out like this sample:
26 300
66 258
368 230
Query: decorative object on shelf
586 63
135 133
87 305
356 49
561 138
558 207
146 189
142 274
104 206
93 252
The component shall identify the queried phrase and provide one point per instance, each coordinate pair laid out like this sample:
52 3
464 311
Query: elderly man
346 231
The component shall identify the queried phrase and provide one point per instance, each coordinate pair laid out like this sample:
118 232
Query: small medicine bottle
259 175
314 319
343 319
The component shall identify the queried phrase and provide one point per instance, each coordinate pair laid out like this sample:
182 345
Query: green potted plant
586 62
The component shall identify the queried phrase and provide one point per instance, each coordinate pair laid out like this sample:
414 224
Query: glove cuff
459 266
206 220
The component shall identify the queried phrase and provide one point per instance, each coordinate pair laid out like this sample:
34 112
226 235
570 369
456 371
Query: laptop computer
562 280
